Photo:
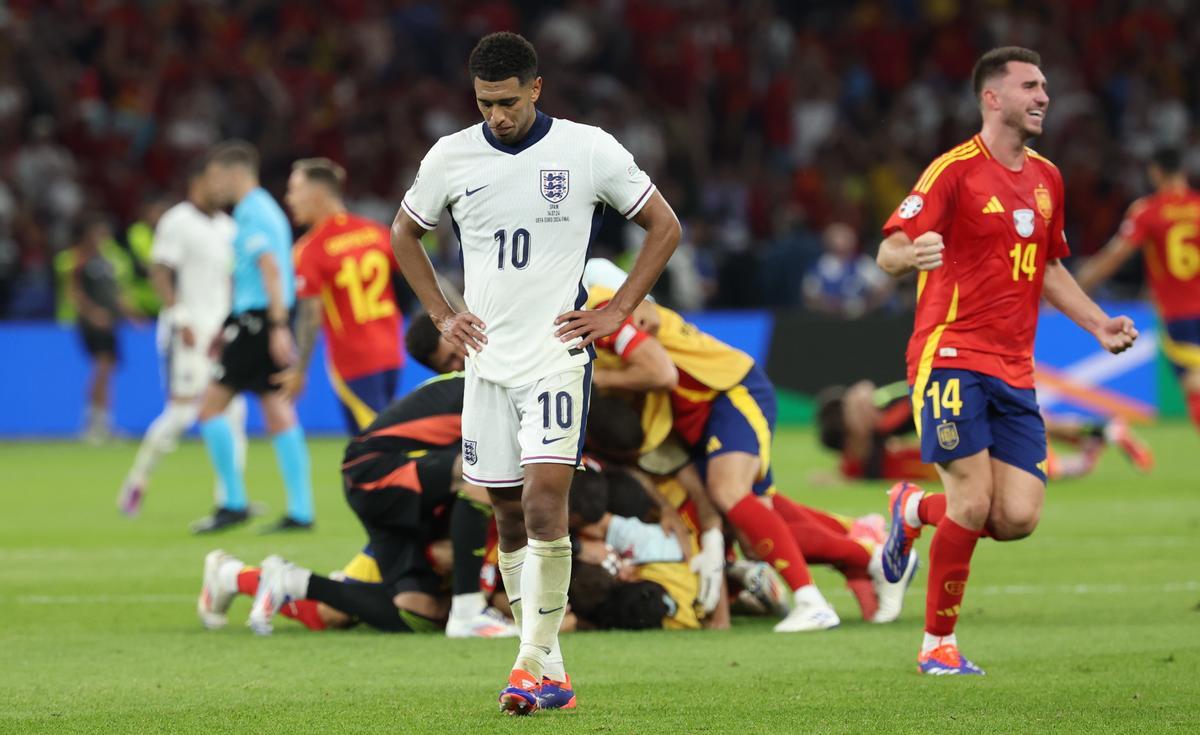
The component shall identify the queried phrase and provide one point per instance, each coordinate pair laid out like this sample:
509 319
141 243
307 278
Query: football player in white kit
525 194
192 260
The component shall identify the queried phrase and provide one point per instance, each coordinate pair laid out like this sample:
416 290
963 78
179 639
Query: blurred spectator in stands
844 282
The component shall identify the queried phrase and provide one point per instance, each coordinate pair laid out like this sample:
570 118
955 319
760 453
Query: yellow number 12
365 282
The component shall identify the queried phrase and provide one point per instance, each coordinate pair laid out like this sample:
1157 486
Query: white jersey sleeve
618 181
427 198
170 235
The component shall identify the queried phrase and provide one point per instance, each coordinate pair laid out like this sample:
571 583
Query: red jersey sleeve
625 340
308 269
1135 228
930 205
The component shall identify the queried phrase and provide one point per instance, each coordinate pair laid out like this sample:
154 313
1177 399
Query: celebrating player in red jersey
984 227
344 265
1166 225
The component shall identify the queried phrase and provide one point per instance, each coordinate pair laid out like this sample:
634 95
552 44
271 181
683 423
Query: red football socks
794 512
949 565
1193 403
248 581
304 611
771 540
819 545
932 509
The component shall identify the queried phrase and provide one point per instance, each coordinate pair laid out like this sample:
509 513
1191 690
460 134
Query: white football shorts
505 429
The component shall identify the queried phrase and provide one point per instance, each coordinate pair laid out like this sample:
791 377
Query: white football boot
811 612
215 598
488 623
890 594
270 596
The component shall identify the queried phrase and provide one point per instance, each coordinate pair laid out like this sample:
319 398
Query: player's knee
971 510
545 514
1012 524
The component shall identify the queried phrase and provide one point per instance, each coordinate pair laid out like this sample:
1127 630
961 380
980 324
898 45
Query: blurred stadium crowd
783 132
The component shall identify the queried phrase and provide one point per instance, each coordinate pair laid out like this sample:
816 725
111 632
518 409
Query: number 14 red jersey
346 261
979 310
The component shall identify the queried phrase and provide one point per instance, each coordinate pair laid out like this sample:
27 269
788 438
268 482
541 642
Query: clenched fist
927 251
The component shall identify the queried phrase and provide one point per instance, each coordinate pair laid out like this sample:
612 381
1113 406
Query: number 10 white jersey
525 216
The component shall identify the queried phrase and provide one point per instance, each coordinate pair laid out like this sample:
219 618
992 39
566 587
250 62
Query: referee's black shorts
246 363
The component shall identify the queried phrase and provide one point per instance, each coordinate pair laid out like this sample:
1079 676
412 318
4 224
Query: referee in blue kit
258 343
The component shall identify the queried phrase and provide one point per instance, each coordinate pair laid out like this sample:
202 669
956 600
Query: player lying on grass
401 478
870 427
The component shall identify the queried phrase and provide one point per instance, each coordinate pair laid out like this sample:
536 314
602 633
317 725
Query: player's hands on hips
281 346
709 564
464 330
927 251
588 325
1117 334
290 382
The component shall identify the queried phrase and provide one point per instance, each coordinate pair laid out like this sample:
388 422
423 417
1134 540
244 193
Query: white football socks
162 435
545 577
934 641
912 515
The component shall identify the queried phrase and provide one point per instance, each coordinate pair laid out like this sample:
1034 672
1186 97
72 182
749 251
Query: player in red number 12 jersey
1166 226
984 228
344 269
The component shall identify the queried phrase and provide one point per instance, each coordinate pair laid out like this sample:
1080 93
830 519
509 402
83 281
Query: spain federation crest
470 455
1045 205
555 185
947 434
1023 219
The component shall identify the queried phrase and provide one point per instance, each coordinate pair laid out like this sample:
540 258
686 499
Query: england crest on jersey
1023 219
555 185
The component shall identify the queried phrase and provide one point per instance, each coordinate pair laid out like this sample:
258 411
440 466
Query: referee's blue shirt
262 227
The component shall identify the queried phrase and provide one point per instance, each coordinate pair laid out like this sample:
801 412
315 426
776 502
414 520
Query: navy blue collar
537 131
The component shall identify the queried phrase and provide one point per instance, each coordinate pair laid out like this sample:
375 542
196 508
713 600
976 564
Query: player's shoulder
1043 163
952 164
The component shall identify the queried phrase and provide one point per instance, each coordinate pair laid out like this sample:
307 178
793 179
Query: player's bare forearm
417 269
308 315
647 367
662 237
706 512
277 311
895 254
1063 293
1101 266
1115 334
162 279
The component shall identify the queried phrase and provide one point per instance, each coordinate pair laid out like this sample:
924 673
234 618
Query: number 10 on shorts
944 399
564 409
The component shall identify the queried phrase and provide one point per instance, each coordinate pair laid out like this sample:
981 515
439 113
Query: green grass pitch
1091 625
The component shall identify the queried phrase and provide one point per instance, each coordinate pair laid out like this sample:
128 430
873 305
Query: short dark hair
421 338
614 428
588 498
995 64
322 171
634 606
235 153
627 496
831 419
499 56
1167 160
195 168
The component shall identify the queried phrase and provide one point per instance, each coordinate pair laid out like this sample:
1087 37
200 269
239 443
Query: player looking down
983 227
524 192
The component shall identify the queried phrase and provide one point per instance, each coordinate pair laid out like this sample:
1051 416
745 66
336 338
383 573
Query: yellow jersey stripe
982 146
921 279
362 413
952 152
1181 353
748 407
925 366
933 175
1034 154
331 310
